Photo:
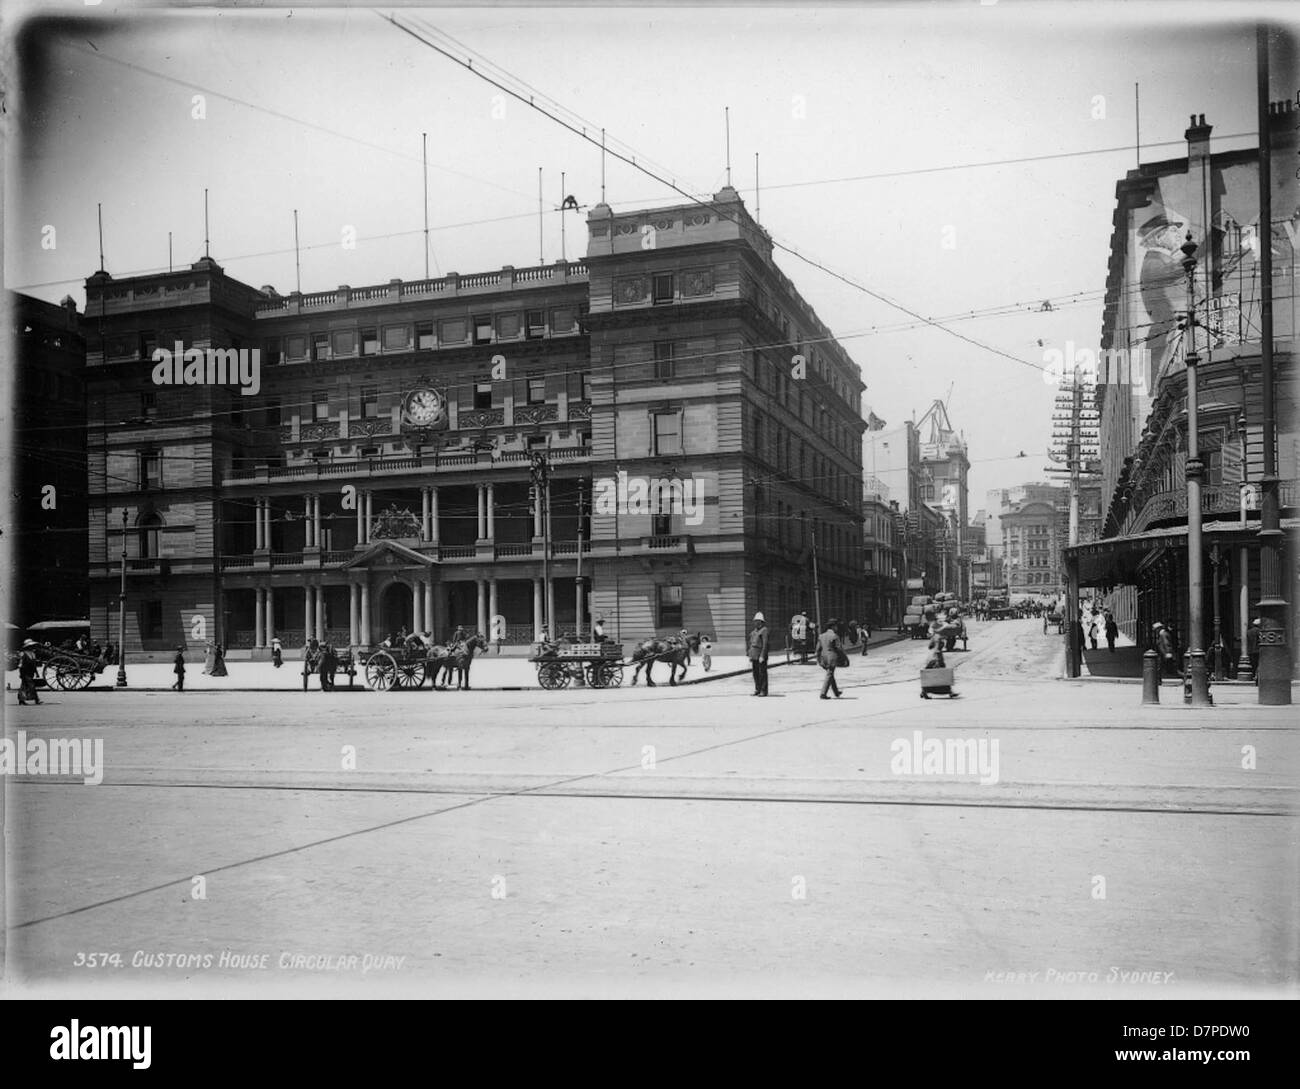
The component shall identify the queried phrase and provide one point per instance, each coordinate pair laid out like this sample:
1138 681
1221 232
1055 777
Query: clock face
425 407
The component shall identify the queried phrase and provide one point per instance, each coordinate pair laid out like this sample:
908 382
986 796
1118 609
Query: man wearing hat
1252 647
178 667
829 656
758 654
27 673
1165 648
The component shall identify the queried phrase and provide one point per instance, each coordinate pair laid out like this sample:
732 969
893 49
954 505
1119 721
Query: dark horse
456 658
675 651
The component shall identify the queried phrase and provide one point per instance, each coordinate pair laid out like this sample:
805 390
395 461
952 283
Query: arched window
149 528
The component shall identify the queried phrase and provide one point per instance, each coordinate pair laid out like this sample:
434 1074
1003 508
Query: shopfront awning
1116 561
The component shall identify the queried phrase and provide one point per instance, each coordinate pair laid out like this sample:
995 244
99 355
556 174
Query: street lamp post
121 614
1199 689
1245 670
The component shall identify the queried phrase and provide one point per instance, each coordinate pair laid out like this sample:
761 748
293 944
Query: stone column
259 605
370 513
537 512
430 620
492 605
424 514
270 615
307 613
361 517
417 608
320 612
491 513
306 522
550 609
365 613
482 512
354 614
577 609
259 540
482 603
537 609
315 521
433 515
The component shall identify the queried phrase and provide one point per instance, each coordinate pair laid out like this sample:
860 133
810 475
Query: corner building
380 477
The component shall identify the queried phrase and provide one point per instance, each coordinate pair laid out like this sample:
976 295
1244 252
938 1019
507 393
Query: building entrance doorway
395 610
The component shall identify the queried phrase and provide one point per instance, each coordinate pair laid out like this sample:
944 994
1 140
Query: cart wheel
552 675
595 675
613 675
82 679
410 674
65 674
381 671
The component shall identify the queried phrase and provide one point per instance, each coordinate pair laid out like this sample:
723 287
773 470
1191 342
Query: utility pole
1198 689
578 581
121 614
1073 649
817 585
1274 658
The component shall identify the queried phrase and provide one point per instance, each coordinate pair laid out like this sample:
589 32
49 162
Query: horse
455 658
462 658
675 651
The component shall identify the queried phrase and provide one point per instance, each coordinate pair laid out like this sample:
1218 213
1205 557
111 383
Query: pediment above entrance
388 554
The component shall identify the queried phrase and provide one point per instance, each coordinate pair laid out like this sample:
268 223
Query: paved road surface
690 840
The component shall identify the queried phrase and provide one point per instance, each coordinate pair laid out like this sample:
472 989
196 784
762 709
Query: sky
870 123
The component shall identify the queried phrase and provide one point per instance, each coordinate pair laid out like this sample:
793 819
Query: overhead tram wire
582 134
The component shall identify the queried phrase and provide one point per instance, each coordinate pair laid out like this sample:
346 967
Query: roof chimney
1198 138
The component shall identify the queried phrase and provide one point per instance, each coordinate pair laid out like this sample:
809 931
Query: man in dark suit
758 647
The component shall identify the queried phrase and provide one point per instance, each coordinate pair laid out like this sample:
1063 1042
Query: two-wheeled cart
598 665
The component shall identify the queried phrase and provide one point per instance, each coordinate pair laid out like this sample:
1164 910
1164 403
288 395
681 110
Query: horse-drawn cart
599 665
344 662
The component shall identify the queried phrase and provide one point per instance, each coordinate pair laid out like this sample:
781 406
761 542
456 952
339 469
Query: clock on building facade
424 408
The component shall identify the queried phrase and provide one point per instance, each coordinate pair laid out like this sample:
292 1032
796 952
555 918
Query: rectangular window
584 386
483 394
670 606
664 356
663 288
537 442
507 326
563 320
452 332
320 402
667 433
424 334
584 439
536 322
369 451
369 402
482 328
370 341
536 389
320 346
396 337
271 351
148 342
661 525
345 344
149 403
296 347
150 469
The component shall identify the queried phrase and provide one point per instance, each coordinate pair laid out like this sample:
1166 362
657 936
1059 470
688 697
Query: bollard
1150 677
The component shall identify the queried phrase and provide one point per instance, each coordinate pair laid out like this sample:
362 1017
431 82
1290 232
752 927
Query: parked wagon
599 665
68 670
